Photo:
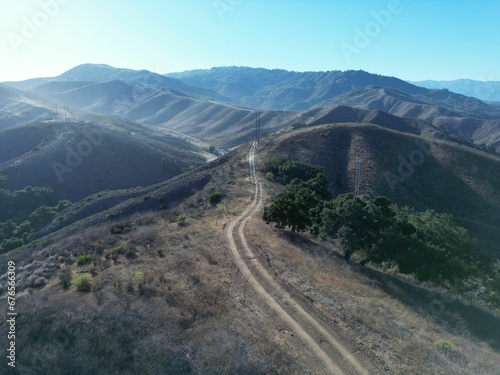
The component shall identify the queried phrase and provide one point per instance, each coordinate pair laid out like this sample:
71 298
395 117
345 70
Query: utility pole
358 177
257 129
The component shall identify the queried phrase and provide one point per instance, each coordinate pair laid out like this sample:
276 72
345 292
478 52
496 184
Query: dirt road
326 354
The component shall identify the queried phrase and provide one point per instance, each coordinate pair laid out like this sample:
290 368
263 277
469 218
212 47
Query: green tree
292 207
286 169
441 250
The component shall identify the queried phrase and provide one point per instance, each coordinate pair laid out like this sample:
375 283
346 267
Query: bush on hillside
83 282
215 197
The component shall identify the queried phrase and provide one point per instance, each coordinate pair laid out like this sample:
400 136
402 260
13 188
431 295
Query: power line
67 114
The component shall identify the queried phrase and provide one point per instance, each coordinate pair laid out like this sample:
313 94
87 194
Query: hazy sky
409 39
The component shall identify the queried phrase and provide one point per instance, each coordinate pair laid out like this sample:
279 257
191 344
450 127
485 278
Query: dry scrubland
401 324
166 298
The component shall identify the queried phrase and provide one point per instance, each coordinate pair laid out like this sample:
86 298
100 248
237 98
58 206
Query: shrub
121 229
215 197
285 170
222 207
181 220
83 282
83 259
270 176
139 277
444 344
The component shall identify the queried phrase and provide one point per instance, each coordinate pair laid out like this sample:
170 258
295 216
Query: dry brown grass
165 299
191 311
400 333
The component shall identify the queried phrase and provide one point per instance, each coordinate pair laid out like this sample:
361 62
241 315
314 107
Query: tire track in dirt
329 355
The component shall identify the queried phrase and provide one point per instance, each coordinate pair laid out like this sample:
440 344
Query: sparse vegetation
139 277
65 278
121 229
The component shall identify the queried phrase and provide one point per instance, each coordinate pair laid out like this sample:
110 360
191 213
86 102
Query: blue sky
409 39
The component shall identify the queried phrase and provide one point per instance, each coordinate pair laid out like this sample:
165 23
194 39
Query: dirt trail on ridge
327 354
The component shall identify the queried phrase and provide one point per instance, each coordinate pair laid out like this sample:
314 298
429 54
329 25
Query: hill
18 107
82 158
409 169
464 118
182 103
216 123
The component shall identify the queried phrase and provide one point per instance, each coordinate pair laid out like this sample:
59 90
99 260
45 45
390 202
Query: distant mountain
458 124
104 73
220 124
284 90
180 102
487 91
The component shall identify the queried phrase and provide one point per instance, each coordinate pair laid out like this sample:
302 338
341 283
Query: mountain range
155 127
161 262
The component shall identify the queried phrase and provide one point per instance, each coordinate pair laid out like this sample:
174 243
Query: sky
408 39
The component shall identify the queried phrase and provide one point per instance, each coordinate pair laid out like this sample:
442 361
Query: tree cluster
429 245
23 211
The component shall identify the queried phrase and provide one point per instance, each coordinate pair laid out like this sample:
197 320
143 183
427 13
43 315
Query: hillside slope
169 291
410 170
79 159
477 129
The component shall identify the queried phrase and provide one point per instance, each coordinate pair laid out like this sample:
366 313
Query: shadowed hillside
79 159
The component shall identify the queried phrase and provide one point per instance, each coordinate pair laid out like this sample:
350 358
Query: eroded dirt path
327 354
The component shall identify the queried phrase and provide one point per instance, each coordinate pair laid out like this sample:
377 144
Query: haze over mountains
190 111
483 90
